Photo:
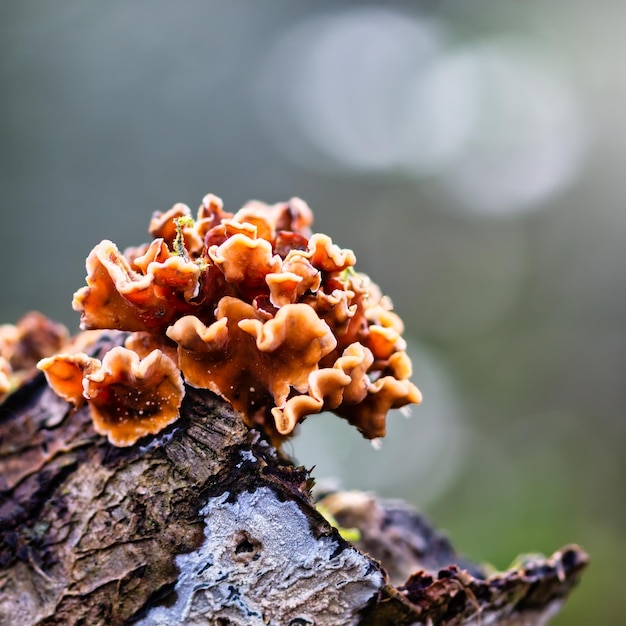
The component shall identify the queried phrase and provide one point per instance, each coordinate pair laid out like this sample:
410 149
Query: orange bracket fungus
250 305
129 397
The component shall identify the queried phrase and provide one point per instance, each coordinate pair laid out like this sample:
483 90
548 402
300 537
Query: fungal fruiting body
250 305
23 344
129 397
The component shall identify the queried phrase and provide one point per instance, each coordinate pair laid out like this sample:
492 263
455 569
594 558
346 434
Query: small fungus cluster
250 305
23 344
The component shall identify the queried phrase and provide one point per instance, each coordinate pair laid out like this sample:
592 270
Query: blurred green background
472 155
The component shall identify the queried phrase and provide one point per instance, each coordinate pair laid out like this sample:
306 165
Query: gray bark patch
261 564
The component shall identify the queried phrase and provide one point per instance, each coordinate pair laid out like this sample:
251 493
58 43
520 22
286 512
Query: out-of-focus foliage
470 153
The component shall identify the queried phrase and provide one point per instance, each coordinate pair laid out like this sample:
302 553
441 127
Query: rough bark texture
205 524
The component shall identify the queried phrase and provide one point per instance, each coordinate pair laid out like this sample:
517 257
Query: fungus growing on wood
129 397
23 344
119 297
5 378
251 305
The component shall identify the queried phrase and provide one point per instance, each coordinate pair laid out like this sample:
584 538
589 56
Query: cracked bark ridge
204 524
441 586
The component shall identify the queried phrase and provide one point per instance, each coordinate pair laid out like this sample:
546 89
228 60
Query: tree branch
207 524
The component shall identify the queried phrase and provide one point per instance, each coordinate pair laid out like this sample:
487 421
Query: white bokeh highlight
497 124
526 140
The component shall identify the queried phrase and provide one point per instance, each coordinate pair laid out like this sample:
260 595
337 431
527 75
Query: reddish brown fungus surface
129 396
251 305
23 344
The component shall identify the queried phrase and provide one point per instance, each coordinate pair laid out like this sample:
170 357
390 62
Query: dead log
206 523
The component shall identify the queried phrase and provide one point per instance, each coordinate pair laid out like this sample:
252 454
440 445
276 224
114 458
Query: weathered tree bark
207 524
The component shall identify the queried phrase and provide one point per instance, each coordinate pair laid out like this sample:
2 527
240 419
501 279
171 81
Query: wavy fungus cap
116 296
32 338
129 397
250 305
5 378
243 359
23 344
